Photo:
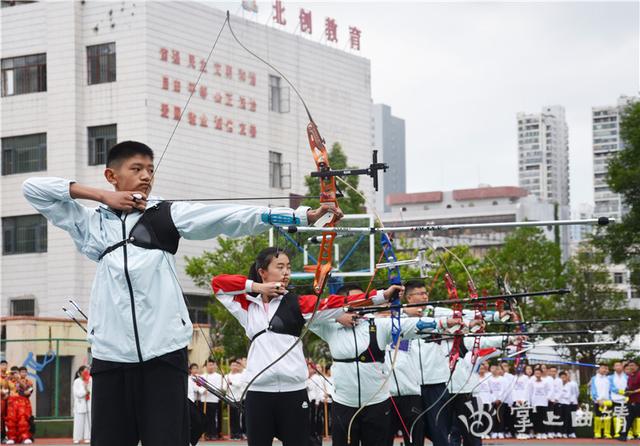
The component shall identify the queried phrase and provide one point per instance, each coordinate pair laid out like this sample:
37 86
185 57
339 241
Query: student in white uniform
276 402
431 359
210 402
82 406
498 390
554 395
508 383
235 384
568 401
483 391
539 389
193 390
358 370
519 395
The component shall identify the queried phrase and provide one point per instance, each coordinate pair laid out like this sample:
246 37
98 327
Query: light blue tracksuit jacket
138 311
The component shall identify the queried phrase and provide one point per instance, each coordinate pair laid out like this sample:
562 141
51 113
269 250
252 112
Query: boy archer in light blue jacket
139 326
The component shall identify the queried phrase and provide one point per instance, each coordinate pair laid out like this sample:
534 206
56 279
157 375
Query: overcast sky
458 73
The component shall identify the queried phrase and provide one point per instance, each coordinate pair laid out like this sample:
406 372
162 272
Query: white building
484 204
78 76
543 154
606 143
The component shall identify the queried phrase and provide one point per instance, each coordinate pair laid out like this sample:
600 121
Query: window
23 307
24 234
278 95
618 278
198 307
101 63
101 139
27 153
275 169
24 74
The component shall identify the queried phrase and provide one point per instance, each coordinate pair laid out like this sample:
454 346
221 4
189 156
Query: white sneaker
544 436
494 435
500 435
551 435
87 441
565 436
10 442
508 435
572 435
27 441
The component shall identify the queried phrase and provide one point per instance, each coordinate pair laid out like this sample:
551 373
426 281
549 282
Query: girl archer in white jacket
276 402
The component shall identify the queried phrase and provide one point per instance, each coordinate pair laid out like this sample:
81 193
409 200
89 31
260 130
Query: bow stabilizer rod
376 308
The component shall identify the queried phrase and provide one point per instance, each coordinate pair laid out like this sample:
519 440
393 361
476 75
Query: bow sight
371 171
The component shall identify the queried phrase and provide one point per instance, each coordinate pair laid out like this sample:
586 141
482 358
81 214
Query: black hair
263 259
80 370
4 362
210 360
192 365
22 368
412 284
346 289
553 367
632 361
127 149
14 368
563 373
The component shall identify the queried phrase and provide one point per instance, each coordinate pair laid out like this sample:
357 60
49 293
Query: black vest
287 319
154 230
371 353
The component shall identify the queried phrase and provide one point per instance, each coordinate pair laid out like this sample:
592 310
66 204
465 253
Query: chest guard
287 319
370 354
154 230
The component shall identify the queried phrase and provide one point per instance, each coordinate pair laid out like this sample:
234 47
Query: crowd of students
616 401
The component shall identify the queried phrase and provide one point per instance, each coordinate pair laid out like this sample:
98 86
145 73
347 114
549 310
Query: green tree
529 262
593 297
622 240
231 256
351 203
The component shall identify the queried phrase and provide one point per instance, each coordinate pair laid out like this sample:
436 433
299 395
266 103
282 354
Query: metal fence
51 364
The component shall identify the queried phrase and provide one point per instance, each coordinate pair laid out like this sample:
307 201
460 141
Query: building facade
543 154
79 76
389 139
484 204
606 143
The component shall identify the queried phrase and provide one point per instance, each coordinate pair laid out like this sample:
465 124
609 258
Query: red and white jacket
290 373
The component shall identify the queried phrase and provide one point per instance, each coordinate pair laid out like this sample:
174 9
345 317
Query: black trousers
140 402
369 428
565 411
212 422
539 415
437 431
499 410
282 415
466 431
234 422
409 407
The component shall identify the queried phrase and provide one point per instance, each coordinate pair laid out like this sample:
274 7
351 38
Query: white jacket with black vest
274 326
137 310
